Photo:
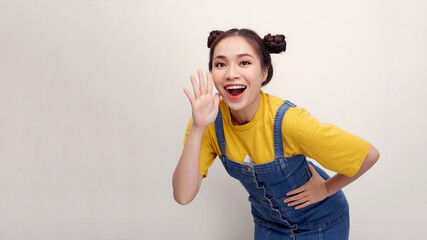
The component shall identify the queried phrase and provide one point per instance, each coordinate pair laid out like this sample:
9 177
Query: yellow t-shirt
332 147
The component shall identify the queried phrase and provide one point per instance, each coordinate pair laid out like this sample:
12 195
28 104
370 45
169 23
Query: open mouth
235 90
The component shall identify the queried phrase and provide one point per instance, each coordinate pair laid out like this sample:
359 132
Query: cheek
255 76
216 83
216 77
218 87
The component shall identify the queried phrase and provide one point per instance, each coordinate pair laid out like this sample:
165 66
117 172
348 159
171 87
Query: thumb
216 100
313 170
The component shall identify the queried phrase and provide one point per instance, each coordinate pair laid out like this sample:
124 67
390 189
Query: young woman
263 142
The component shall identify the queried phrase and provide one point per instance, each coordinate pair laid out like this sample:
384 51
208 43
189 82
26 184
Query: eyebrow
240 55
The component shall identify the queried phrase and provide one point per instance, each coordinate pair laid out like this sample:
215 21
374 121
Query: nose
232 72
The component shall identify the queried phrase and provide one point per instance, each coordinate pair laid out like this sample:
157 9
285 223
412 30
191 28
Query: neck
244 116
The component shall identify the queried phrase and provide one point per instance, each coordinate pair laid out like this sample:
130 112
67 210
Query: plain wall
93 116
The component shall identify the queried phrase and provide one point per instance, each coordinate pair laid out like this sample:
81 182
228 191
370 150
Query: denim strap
277 128
219 131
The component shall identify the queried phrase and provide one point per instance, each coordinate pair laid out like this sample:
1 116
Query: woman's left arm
339 181
317 189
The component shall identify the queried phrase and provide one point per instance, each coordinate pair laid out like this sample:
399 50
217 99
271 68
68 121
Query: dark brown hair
270 44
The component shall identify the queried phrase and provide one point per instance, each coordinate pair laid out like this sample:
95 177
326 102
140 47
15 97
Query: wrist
197 129
329 188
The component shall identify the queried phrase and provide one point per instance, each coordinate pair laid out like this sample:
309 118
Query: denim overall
268 183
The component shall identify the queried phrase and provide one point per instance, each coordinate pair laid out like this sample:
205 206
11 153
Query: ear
264 74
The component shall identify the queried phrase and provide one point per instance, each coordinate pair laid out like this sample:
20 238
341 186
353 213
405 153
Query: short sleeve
334 148
207 154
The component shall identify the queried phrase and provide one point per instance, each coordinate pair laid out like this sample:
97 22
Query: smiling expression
238 76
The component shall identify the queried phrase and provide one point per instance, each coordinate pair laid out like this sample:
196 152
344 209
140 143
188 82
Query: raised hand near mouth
204 105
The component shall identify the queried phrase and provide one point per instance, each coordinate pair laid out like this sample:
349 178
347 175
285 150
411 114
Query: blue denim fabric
268 183
339 230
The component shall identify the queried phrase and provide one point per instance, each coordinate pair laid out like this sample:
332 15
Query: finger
300 201
297 190
209 82
216 100
303 205
201 82
195 87
295 197
190 97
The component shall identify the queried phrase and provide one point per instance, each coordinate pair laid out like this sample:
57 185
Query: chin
235 106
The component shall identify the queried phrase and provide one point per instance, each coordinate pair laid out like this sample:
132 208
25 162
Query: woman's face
237 73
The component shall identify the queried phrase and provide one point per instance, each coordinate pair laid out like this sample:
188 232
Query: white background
93 116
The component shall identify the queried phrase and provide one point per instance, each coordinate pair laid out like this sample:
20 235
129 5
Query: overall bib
268 183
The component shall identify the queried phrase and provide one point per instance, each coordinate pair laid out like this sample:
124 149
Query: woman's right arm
186 179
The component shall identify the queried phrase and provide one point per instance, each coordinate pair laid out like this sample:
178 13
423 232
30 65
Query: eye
219 65
245 63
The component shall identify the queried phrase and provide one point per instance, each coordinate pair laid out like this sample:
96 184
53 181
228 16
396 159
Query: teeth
235 87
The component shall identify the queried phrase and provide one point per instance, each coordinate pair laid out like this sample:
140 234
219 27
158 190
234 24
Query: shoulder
297 113
300 120
271 100
270 104
299 124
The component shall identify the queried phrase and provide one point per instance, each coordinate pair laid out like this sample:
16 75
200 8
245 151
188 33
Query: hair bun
276 43
212 36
